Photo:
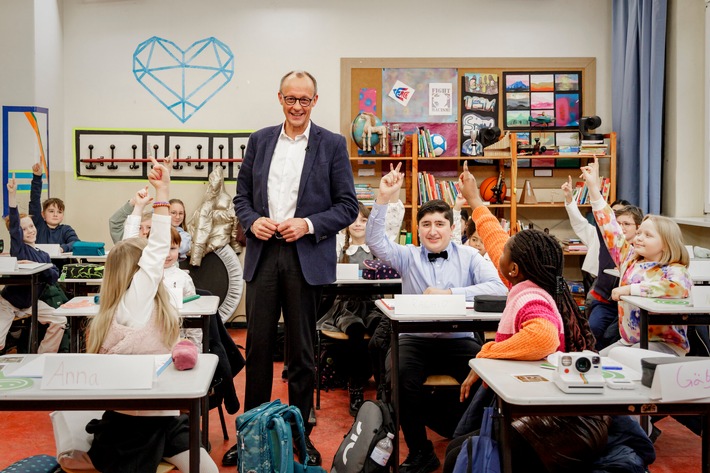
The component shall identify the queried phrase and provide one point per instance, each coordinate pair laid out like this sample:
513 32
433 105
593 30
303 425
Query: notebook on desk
52 249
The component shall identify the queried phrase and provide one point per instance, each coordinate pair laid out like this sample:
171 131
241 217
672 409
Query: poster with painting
479 109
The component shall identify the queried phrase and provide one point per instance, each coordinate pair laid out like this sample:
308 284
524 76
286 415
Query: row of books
581 193
593 147
426 146
574 244
431 188
365 194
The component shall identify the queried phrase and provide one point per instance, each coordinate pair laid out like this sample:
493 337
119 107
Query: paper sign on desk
681 381
429 304
84 371
346 271
8 264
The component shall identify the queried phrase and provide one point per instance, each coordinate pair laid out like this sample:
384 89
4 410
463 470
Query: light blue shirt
465 271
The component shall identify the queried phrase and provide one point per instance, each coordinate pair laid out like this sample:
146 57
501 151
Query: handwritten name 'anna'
68 377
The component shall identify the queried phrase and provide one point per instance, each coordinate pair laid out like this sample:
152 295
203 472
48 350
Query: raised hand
12 192
159 175
469 188
460 202
567 189
390 184
36 169
142 197
590 174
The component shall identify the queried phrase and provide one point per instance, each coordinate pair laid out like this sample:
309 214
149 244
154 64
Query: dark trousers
279 286
419 358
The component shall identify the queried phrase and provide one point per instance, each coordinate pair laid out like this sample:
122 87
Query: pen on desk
612 368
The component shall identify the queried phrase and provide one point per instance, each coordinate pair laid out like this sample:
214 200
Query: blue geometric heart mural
183 80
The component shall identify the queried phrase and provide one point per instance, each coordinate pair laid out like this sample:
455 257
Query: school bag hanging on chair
265 440
355 454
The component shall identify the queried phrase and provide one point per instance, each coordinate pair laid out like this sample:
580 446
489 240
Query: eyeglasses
304 101
627 224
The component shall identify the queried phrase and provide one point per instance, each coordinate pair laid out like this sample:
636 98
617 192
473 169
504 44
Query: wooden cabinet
550 200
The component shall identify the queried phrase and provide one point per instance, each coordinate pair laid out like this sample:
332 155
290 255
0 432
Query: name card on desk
346 271
429 304
87 371
8 264
681 381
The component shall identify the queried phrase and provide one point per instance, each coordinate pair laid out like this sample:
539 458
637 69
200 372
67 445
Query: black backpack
372 423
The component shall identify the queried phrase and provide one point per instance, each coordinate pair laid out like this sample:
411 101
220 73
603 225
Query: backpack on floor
265 439
34 464
372 423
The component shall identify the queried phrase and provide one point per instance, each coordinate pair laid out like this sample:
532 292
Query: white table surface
26 272
368 281
699 271
698 303
171 384
471 314
202 306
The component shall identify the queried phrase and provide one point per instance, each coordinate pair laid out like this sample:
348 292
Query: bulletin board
449 95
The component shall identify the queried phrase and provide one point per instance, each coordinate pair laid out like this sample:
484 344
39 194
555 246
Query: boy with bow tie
436 267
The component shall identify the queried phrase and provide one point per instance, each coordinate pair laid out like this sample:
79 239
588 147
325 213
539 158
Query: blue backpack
265 440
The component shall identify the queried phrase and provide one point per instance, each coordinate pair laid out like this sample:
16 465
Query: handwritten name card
681 381
87 371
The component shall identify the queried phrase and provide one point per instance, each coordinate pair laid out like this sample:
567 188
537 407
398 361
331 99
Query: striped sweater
531 326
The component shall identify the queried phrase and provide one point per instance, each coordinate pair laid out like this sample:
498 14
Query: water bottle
382 451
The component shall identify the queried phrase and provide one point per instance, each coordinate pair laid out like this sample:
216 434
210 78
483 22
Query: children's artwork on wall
368 100
479 109
542 100
26 142
183 80
415 82
125 154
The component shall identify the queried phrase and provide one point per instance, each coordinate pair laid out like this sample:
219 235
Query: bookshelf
514 175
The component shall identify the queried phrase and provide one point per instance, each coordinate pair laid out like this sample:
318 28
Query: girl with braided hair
540 316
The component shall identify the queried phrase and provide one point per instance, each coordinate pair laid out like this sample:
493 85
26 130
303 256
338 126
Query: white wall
268 38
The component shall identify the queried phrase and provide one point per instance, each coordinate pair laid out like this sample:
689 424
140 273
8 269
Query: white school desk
27 277
363 287
183 390
518 399
196 310
654 311
471 322
79 258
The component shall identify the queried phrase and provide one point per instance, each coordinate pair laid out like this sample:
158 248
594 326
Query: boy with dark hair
16 301
436 267
48 218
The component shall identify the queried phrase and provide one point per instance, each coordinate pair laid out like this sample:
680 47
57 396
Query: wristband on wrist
161 204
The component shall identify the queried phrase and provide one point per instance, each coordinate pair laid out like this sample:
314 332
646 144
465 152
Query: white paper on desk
430 304
90 371
347 271
52 249
29 265
27 369
8 263
681 381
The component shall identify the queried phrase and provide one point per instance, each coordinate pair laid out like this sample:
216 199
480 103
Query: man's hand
36 169
436 290
469 188
264 228
466 385
390 184
293 229
567 189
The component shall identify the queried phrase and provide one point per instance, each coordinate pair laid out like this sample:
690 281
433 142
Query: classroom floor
30 433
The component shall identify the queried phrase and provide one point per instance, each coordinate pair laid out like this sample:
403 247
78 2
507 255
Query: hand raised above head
12 185
159 175
142 197
469 187
590 174
390 184
567 189
37 169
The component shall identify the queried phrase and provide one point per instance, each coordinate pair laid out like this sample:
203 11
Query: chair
331 336
164 467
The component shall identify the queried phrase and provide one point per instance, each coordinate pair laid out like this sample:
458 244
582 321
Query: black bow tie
432 256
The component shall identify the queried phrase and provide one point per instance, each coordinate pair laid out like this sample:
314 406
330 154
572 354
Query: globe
359 126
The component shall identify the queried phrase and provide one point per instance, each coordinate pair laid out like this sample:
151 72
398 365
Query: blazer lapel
311 152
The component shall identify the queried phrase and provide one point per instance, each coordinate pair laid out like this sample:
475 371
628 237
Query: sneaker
357 397
420 461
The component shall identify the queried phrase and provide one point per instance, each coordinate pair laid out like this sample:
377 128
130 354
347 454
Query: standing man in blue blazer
295 192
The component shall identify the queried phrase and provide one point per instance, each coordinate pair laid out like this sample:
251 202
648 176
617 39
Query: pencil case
485 303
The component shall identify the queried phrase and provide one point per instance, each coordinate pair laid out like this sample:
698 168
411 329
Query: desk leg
706 442
194 420
34 329
394 378
505 447
643 326
74 324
